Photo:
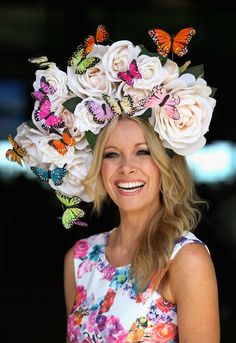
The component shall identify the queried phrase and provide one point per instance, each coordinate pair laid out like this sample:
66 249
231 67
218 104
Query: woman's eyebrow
116 147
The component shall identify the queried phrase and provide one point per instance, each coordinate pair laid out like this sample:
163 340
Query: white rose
77 170
94 81
84 119
171 71
186 135
151 70
28 138
118 58
58 80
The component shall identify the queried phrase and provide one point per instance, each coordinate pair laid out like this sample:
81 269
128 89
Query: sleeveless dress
107 307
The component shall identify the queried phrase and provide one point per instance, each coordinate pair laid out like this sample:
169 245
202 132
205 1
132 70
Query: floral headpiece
104 81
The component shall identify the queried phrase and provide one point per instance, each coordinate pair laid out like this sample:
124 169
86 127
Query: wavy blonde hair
179 210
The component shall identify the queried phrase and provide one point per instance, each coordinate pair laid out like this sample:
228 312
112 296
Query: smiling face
129 174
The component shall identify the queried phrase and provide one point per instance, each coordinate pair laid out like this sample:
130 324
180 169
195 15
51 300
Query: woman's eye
110 155
143 152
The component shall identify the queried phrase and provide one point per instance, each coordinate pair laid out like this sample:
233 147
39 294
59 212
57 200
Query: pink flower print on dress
81 249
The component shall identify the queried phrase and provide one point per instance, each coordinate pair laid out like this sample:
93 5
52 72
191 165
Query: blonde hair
179 210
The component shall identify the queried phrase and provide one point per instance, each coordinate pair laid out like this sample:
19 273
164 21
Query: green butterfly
72 213
80 61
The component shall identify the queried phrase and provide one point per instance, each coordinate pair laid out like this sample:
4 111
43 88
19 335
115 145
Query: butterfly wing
76 57
127 105
71 215
181 41
88 45
58 145
57 175
67 138
100 112
101 34
66 200
44 109
16 153
170 106
85 64
41 173
162 39
114 104
45 86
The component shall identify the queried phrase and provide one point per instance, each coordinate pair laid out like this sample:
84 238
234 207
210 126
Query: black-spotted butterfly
16 153
43 113
178 43
45 89
72 213
120 107
81 62
100 111
131 74
61 145
100 37
56 175
160 97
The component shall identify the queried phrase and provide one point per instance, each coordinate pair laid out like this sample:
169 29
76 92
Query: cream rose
151 70
186 135
118 58
94 81
77 170
58 80
84 119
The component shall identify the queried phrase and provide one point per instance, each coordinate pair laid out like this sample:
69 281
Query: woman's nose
126 166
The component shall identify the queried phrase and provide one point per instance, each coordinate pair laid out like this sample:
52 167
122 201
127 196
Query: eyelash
112 154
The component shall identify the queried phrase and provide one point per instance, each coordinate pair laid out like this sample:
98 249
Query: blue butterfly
56 175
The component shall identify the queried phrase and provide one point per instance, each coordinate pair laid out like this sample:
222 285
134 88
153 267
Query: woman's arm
69 281
193 285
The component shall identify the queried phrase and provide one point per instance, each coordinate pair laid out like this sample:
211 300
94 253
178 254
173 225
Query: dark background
32 240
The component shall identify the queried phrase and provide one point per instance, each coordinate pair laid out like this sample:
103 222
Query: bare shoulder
69 256
69 279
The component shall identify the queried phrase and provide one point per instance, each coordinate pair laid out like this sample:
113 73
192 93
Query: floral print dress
108 309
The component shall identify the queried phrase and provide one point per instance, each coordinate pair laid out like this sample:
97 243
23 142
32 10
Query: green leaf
213 91
146 114
91 138
197 71
71 104
170 152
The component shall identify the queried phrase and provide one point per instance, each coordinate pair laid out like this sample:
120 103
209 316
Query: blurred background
33 241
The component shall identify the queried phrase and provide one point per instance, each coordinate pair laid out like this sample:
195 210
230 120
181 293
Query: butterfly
159 96
100 112
131 74
16 153
72 213
81 62
100 37
44 113
124 106
61 144
56 175
176 43
45 88
41 61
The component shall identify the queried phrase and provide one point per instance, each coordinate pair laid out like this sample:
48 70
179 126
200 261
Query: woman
150 279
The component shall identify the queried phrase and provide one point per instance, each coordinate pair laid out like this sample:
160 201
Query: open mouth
130 186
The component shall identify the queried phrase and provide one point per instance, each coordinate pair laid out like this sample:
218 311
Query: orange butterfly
16 153
100 37
177 43
61 144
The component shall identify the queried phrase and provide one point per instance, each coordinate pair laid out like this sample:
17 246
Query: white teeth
130 185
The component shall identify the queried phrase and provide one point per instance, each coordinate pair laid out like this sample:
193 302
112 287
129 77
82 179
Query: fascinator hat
103 80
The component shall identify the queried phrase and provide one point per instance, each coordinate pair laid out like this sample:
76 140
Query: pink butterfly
131 74
100 112
44 113
45 88
159 96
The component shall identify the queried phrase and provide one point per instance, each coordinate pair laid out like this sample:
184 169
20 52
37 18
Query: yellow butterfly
120 107
16 153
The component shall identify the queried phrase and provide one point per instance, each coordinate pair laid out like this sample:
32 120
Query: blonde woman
150 279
